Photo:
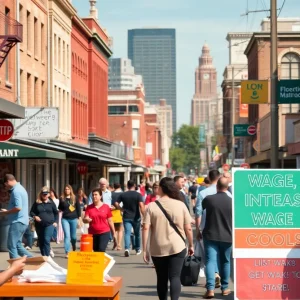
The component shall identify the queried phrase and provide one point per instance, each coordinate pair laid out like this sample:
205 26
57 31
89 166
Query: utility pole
274 81
232 119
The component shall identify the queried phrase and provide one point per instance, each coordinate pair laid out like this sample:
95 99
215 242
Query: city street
139 280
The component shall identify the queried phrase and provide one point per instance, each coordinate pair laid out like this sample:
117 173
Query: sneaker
67 255
28 248
138 252
51 253
127 253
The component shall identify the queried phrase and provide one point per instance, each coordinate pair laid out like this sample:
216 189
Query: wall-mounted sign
39 123
255 91
244 130
288 91
6 130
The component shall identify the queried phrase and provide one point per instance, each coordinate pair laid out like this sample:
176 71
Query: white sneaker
28 248
202 273
126 253
52 253
138 252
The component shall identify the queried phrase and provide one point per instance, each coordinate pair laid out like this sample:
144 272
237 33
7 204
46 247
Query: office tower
153 55
122 76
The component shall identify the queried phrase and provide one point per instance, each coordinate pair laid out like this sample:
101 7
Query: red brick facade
80 81
8 88
123 127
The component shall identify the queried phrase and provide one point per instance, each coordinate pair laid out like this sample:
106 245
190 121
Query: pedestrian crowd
162 211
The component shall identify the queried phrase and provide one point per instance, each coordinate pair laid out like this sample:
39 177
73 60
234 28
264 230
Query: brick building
126 123
10 31
258 54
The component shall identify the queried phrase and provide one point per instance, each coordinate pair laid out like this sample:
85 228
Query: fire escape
11 32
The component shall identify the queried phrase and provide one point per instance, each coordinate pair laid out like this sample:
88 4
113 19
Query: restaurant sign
9 153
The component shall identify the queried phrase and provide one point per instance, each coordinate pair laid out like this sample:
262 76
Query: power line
281 8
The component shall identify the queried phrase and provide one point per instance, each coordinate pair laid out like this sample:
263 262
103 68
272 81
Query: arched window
290 66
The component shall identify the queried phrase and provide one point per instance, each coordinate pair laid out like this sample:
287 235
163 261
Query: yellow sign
117 216
255 91
86 268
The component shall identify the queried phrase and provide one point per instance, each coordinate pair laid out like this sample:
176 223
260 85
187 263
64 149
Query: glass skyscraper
153 55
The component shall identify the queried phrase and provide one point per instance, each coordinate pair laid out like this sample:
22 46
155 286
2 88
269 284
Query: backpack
190 271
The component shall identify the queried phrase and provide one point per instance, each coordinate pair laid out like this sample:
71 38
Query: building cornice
82 26
266 36
102 45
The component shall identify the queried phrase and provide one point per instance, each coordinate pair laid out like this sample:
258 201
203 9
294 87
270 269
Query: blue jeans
28 235
14 240
54 235
44 238
215 250
136 225
69 228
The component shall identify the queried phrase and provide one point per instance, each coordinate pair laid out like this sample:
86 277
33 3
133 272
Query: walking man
217 237
133 207
106 193
18 216
180 183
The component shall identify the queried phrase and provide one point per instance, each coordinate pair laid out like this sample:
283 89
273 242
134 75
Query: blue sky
195 21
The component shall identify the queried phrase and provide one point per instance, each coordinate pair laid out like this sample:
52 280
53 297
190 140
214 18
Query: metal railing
10 28
122 151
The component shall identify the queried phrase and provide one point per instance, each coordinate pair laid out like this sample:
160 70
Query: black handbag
173 225
190 271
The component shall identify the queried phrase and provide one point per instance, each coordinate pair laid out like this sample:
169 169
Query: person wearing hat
45 215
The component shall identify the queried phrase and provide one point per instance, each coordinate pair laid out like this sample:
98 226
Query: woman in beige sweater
167 245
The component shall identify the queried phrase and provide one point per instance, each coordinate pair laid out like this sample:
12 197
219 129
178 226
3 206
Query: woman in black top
71 213
45 215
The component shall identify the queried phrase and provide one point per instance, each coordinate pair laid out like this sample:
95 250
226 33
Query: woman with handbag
169 222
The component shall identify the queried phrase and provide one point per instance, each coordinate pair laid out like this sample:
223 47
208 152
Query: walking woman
167 247
45 214
154 194
83 199
71 217
117 216
98 216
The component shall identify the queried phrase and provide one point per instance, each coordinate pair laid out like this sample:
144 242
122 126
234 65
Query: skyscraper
153 55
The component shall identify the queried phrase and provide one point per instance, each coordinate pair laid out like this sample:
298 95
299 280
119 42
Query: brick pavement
139 280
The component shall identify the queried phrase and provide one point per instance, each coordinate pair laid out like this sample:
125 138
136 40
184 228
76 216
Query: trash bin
4 226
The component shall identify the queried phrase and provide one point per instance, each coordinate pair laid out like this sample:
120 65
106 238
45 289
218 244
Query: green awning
14 150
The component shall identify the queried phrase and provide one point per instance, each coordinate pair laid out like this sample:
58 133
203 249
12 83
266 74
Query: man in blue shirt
17 213
106 193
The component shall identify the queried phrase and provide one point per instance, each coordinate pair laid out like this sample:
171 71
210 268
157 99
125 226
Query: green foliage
185 153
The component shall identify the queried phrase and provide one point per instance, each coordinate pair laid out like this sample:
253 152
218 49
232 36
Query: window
68 60
55 50
43 47
133 108
64 57
35 28
43 93
28 31
117 110
135 137
290 69
35 90
59 54
29 98
290 66
7 13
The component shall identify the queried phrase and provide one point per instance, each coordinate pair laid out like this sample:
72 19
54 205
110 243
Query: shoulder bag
170 220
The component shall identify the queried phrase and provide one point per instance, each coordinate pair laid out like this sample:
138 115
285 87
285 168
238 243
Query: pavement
139 279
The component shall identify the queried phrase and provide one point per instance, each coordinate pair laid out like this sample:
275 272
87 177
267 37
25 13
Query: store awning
10 110
14 150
